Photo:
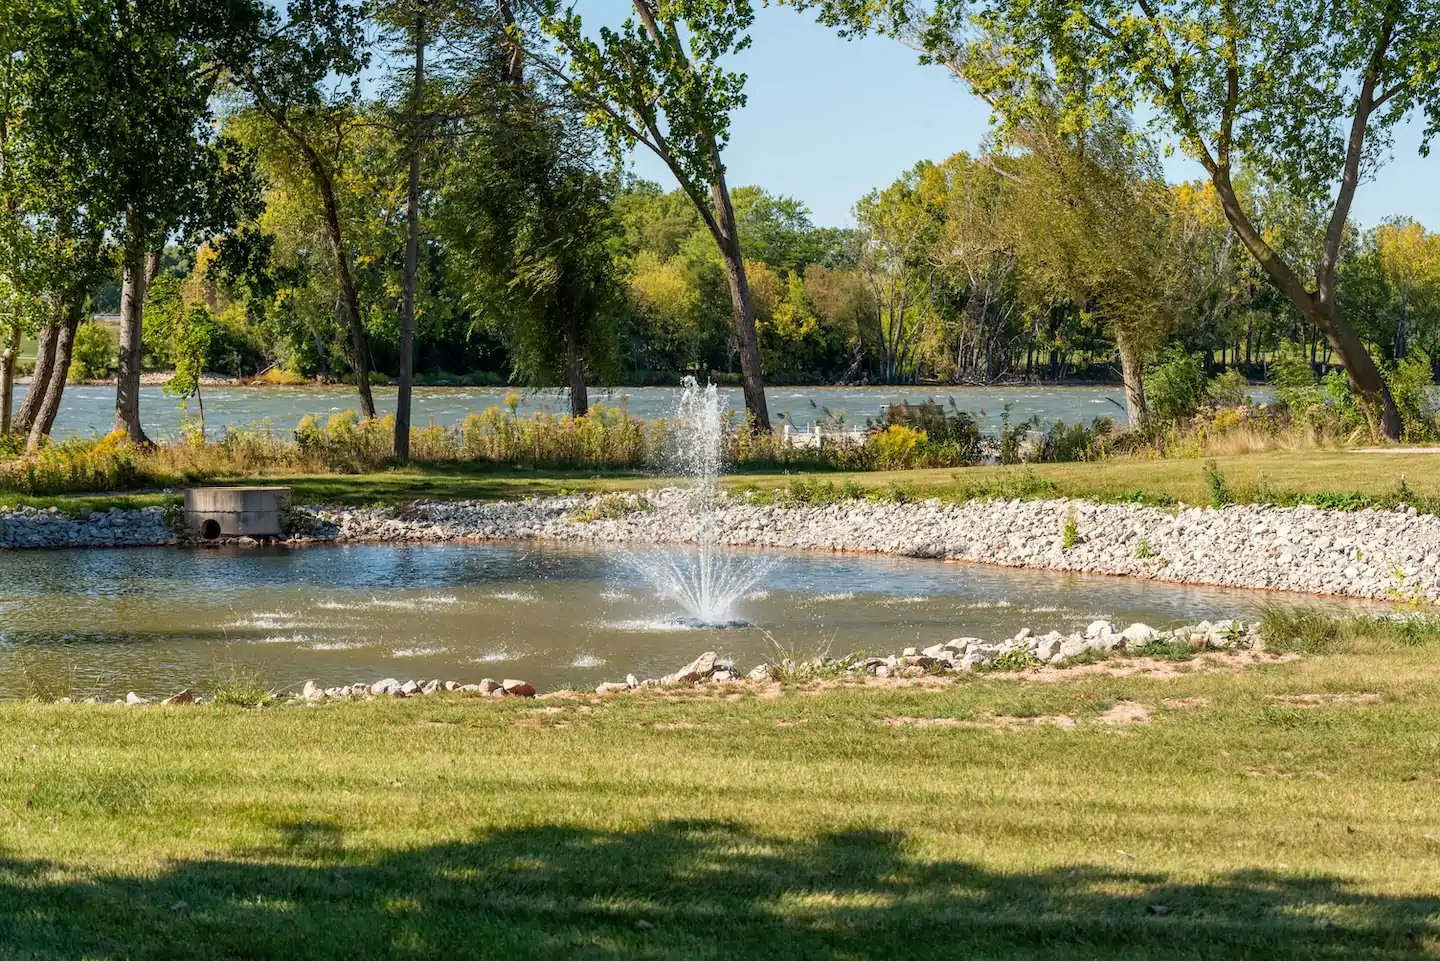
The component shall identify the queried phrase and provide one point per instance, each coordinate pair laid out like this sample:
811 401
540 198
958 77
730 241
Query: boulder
517 688
382 688
1096 628
132 699
312 692
430 687
612 687
408 689
761 672
631 680
1048 648
487 685
1139 634
697 670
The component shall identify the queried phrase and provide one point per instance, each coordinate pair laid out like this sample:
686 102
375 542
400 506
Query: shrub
1175 387
1229 389
1411 387
895 447
95 353
1220 495
1062 444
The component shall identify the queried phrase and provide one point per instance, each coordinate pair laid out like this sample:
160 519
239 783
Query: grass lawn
1310 473
1289 811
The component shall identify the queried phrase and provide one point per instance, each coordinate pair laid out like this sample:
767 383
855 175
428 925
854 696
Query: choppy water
153 621
91 410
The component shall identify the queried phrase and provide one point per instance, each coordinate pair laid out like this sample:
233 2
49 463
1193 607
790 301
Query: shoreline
157 378
1386 555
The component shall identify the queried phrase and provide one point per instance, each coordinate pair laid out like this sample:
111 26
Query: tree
290 84
659 83
154 171
528 224
1307 94
899 227
1409 259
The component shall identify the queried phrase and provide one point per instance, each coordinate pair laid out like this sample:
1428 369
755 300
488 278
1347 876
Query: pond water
91 410
154 621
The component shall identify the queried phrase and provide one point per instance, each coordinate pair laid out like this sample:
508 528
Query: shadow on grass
681 890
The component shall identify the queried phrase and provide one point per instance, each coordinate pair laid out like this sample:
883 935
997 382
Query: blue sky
830 119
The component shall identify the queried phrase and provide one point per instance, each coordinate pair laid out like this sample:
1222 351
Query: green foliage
1070 532
1220 493
1016 660
1144 550
1175 387
242 688
1228 389
94 353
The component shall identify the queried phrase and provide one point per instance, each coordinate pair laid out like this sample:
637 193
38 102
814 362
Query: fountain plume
706 583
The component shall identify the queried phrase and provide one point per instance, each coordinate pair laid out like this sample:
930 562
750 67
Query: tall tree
129 117
1308 94
292 83
659 81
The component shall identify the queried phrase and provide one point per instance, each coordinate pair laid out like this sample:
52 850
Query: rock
408 689
910 652
698 669
132 699
1048 648
430 687
935 650
312 692
488 685
452 685
722 676
1097 628
384 688
761 672
631 681
184 697
612 687
516 688
1139 634
1073 646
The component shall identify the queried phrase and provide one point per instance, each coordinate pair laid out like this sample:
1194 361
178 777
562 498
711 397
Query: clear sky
830 119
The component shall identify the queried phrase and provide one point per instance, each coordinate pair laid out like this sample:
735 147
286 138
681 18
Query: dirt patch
1003 722
1325 700
1209 662
672 726
1126 712
1185 703
791 721
921 721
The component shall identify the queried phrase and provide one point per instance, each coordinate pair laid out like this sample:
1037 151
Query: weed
1220 493
1070 534
1016 660
239 687
1144 550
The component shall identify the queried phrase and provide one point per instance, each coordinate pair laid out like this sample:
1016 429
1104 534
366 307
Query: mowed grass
1291 811
1360 477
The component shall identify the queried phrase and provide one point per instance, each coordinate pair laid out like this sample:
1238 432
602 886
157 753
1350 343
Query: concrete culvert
210 530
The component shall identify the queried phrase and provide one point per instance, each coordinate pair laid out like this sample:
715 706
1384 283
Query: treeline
434 187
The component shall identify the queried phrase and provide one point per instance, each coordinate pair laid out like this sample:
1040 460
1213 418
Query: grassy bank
1288 811
1334 478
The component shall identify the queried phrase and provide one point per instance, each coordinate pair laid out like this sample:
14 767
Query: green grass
1338 479
1288 812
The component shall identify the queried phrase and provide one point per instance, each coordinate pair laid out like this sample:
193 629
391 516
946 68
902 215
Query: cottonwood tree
1308 94
304 83
658 81
528 222
125 114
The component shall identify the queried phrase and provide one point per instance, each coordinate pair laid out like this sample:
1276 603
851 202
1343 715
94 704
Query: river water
104 622
91 410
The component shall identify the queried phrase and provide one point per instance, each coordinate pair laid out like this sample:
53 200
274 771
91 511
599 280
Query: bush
1175 387
1411 387
95 353
1228 389
895 447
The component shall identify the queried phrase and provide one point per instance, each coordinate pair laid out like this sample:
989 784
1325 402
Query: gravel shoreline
1392 554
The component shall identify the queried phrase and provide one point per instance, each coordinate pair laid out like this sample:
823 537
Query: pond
157 620
91 410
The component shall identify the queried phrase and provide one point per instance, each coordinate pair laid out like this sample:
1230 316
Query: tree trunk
7 379
350 300
1131 369
412 250
132 305
44 364
60 371
742 310
1402 332
579 396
